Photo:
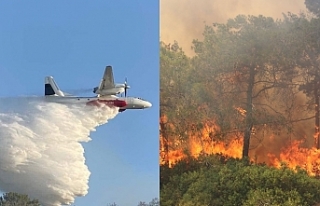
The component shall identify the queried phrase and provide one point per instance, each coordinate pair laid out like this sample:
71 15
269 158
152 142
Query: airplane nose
147 105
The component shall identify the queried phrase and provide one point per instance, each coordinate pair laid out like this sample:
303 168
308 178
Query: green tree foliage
153 202
176 105
174 78
313 6
112 204
309 61
13 199
273 197
238 182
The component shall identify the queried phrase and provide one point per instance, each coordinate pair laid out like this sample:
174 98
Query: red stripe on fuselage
110 103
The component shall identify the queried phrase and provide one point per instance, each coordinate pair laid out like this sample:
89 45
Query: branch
262 90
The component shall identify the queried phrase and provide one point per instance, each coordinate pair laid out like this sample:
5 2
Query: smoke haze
184 21
40 147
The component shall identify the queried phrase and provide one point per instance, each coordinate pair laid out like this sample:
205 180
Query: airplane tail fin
51 88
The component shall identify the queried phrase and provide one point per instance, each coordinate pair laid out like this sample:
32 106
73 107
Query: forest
16 199
219 180
249 96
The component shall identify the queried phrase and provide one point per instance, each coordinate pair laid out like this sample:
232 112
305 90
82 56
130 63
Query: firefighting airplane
107 85
106 91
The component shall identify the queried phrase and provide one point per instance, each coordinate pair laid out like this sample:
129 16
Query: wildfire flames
293 154
296 156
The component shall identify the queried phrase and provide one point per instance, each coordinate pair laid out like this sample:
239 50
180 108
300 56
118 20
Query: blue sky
73 41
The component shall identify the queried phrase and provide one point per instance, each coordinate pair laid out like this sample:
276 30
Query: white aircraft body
54 94
107 85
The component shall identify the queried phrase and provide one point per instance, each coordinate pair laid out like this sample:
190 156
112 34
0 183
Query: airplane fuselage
134 103
122 103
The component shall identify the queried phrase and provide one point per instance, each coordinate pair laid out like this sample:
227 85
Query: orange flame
296 156
199 144
292 154
205 144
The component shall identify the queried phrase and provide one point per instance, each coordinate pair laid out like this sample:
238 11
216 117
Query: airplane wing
107 81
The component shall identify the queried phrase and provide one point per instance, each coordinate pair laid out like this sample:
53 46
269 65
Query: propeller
126 86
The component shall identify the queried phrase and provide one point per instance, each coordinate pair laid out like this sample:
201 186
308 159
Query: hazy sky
184 21
73 41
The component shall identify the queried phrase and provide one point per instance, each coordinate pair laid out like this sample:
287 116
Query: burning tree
243 87
309 61
248 61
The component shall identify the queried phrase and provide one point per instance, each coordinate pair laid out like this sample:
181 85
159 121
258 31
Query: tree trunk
165 141
249 121
317 122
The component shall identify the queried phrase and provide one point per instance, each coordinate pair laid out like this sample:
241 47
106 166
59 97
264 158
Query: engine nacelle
119 86
115 90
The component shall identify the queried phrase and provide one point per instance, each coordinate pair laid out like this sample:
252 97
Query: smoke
184 21
40 147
